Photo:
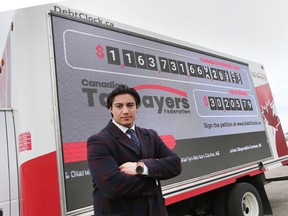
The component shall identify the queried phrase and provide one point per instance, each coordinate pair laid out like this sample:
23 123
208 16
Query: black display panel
202 105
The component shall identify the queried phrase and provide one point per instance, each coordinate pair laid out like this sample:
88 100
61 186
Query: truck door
9 204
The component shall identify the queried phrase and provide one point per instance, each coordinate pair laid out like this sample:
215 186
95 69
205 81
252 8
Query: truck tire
244 200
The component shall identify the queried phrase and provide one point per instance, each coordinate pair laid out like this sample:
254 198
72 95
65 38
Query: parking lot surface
277 191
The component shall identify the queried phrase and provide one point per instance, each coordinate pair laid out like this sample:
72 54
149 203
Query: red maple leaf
269 116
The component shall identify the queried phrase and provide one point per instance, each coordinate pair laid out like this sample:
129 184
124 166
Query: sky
255 30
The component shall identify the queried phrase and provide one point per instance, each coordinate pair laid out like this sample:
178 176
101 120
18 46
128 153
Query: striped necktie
133 136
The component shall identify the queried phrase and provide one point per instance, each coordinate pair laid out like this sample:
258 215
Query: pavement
277 191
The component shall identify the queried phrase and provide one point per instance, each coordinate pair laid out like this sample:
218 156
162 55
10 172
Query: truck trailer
215 110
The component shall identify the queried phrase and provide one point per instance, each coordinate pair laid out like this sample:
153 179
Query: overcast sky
256 30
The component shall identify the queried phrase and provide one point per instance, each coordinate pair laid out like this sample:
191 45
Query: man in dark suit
125 168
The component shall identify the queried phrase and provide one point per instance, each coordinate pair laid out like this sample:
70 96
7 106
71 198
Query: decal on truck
271 118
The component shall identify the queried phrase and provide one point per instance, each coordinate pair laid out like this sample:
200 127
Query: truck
215 110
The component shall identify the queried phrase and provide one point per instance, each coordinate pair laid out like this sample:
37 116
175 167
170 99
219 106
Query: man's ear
110 109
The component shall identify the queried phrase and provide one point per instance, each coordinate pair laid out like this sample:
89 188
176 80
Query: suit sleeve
107 176
165 164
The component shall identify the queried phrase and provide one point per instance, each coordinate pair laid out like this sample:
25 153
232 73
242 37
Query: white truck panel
31 82
9 198
4 167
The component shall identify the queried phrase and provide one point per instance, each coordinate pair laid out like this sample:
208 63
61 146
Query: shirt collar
123 128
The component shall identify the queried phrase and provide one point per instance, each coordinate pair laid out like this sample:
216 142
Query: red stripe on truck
39 186
77 151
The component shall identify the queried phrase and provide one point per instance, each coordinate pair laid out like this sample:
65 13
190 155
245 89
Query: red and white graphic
270 117
25 142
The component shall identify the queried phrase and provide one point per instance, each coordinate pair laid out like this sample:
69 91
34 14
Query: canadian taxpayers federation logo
168 101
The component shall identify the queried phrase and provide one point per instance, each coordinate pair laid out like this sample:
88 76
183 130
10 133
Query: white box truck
214 110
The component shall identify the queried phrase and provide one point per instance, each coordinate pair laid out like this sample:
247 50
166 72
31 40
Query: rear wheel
244 200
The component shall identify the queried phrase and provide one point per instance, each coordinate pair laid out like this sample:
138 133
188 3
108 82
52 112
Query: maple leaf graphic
269 116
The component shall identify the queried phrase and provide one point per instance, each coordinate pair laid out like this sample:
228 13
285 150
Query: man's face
124 109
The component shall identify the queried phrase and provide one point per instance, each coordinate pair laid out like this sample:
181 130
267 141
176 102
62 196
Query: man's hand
129 168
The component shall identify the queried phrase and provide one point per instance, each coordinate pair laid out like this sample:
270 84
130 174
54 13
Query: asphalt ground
277 191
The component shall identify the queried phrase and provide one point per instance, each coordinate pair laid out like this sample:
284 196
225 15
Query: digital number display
134 58
218 103
150 62
212 103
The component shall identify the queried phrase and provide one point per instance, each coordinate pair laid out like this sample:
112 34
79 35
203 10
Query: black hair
123 89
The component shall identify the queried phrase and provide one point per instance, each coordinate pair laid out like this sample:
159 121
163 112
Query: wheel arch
258 182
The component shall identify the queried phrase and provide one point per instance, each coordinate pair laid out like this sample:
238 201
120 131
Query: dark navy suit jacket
119 194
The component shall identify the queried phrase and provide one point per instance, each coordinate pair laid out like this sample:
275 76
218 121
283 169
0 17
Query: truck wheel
244 200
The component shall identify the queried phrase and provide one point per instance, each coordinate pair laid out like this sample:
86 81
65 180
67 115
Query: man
126 169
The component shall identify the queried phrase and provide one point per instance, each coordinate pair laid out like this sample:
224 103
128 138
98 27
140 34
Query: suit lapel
122 138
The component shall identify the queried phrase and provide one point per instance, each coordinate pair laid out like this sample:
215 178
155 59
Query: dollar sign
205 99
100 52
